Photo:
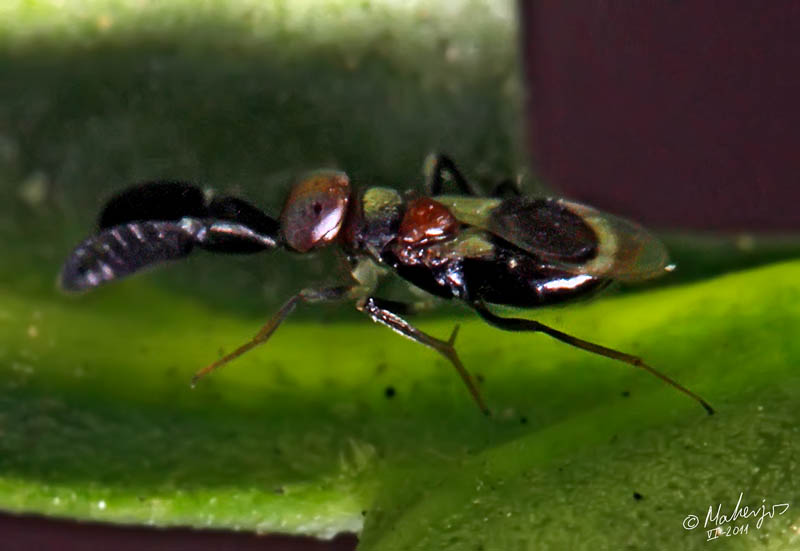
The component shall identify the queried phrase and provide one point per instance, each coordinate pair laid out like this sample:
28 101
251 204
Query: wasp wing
567 236
626 251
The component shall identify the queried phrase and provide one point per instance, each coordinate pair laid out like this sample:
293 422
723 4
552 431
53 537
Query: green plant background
97 420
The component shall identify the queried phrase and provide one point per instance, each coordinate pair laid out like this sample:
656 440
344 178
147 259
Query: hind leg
521 324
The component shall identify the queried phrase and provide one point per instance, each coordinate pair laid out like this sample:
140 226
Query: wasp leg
519 324
438 168
306 295
380 312
408 308
506 188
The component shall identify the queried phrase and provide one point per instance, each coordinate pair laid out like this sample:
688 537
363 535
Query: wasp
503 249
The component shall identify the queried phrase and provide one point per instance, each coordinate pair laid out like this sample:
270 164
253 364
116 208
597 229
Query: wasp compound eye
315 210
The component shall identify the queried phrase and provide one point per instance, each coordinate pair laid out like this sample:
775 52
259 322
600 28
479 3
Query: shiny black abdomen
511 277
515 278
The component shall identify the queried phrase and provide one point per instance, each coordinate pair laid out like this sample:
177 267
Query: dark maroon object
681 114
32 532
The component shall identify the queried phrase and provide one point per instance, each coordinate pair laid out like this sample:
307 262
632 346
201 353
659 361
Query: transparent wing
567 236
626 251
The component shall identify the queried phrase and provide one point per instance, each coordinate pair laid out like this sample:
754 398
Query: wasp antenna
156 201
122 250
157 222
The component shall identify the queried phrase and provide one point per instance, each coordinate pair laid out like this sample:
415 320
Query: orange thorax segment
426 221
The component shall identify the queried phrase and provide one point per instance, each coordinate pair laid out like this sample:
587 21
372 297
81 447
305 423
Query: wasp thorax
315 210
426 220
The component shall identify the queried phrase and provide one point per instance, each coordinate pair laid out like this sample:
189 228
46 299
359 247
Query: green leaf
304 435
98 420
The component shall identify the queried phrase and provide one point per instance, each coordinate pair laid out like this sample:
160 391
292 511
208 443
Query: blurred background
242 97
680 115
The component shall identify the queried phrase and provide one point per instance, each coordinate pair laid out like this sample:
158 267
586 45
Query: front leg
306 295
380 312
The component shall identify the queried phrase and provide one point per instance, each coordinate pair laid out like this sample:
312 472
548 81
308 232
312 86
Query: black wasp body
504 249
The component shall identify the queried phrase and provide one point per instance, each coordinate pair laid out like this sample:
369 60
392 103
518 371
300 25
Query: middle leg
381 311
438 168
